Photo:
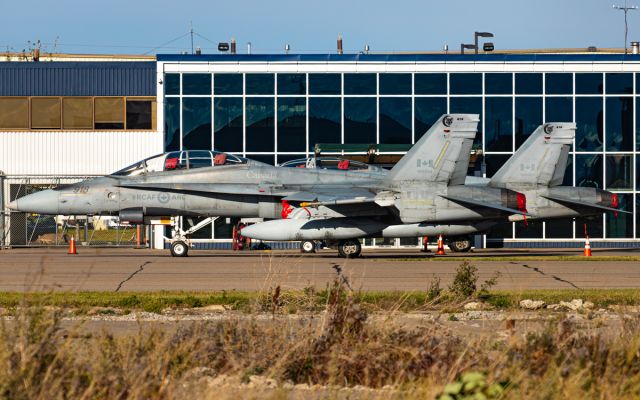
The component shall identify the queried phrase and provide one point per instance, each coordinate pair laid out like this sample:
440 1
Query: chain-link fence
24 229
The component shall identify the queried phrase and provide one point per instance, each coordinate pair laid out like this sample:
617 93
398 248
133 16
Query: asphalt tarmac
113 269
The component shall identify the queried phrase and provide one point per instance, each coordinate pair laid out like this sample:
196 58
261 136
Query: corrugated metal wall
78 78
74 153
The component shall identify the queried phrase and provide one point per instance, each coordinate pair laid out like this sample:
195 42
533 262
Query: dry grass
336 348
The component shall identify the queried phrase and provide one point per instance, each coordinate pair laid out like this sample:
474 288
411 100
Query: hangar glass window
325 116
588 83
621 225
531 230
325 83
619 124
228 124
171 83
360 84
264 158
558 109
498 83
77 113
395 83
109 113
140 114
637 215
260 124
558 83
589 170
292 124
469 105
196 83
594 226
637 175
359 120
637 125
172 124
528 117
426 111
619 83
259 83
292 84
224 84
395 120
45 113
14 113
196 123
466 83
498 126
493 162
528 83
619 172
430 83
559 228
589 121
500 231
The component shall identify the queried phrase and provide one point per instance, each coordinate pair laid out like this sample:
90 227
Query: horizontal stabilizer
576 203
474 203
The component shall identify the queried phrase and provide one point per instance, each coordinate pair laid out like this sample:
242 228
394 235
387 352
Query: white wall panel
74 153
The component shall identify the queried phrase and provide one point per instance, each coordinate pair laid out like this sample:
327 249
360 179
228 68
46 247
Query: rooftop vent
635 47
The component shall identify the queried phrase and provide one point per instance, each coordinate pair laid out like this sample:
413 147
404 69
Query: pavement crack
134 273
541 272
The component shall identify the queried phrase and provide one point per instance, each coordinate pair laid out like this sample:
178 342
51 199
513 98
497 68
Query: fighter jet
426 185
535 170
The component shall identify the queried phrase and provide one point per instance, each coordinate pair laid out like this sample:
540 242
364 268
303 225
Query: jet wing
201 188
474 203
340 196
577 203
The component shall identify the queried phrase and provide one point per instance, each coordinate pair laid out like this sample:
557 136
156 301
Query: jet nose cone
44 202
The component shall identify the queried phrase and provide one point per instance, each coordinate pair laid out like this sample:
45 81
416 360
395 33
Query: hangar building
98 116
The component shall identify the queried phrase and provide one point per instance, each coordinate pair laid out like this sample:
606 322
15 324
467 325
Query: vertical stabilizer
442 154
540 161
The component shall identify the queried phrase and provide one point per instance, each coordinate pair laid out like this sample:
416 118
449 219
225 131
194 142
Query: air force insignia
447 120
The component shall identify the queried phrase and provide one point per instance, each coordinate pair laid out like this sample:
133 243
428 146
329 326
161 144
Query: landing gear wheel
308 246
460 245
179 249
350 248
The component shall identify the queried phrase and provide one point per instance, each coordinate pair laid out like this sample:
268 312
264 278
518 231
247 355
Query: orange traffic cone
587 247
440 250
72 246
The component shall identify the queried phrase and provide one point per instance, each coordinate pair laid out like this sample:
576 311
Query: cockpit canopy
332 163
181 160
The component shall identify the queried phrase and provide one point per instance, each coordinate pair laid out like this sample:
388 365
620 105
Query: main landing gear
350 248
461 244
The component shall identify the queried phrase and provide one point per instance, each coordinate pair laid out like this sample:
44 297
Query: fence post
2 214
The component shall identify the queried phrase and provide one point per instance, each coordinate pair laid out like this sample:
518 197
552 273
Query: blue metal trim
595 57
137 78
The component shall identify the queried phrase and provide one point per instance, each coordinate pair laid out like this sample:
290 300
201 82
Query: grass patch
305 300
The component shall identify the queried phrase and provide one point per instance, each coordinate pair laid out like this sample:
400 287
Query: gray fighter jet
536 170
426 185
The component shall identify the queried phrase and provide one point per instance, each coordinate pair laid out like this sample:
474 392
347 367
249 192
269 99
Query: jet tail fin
442 154
540 161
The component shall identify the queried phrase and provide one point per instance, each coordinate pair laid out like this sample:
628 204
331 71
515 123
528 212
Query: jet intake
133 215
